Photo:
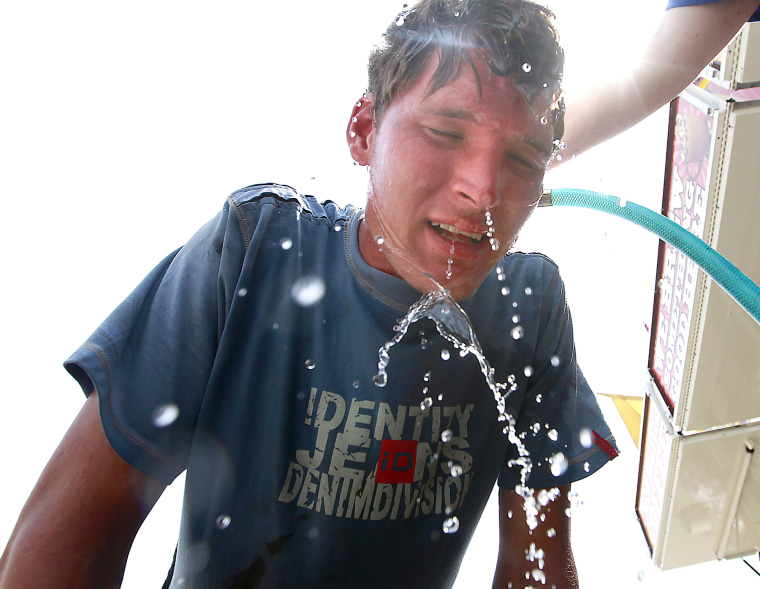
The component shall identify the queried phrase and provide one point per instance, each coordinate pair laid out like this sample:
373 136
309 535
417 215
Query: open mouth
454 234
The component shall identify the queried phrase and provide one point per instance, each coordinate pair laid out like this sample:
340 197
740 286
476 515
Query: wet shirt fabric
675 3
229 362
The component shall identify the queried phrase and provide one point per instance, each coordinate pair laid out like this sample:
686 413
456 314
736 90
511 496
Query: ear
361 129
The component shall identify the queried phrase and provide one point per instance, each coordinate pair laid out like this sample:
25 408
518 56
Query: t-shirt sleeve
151 359
677 3
754 17
559 420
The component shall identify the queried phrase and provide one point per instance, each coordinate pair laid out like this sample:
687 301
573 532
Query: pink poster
687 202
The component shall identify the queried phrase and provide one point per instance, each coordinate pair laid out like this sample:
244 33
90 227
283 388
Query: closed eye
444 134
527 163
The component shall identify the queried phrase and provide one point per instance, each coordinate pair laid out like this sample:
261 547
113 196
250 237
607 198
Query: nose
477 176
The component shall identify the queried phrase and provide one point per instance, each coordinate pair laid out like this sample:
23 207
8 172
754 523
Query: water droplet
379 240
354 119
338 228
505 290
400 21
509 514
539 398
223 521
514 304
309 364
528 371
380 380
517 332
526 67
426 376
286 243
456 470
501 276
242 292
424 390
351 134
440 397
359 103
551 532
538 575
555 361
515 319
553 435
456 13
543 120
559 464
356 384
528 290
445 354
165 415
308 290
451 525
587 440
426 403
586 466
446 435
535 427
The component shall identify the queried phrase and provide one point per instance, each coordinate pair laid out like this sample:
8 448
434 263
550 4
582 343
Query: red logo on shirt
396 463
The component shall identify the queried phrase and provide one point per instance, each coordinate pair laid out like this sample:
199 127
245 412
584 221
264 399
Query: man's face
454 176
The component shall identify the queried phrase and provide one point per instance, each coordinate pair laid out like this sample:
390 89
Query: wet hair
515 38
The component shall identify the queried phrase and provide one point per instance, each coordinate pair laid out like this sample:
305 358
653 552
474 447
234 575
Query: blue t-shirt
247 357
675 3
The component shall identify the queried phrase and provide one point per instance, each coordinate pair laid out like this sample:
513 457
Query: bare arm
552 536
78 525
687 38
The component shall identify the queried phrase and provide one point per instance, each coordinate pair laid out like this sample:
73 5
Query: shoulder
529 267
283 196
257 203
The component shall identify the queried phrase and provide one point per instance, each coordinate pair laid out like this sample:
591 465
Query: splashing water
165 415
492 240
451 525
308 290
455 327
449 262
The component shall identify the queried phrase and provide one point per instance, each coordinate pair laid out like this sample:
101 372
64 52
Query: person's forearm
683 44
541 557
39 556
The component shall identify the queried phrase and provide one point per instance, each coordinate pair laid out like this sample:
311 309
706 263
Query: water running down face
441 166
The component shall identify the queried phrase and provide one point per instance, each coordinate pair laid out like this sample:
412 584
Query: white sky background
124 126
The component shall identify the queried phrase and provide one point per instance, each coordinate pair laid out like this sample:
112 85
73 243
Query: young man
247 357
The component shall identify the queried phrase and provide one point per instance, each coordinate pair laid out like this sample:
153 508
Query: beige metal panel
748 69
705 474
740 60
722 374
